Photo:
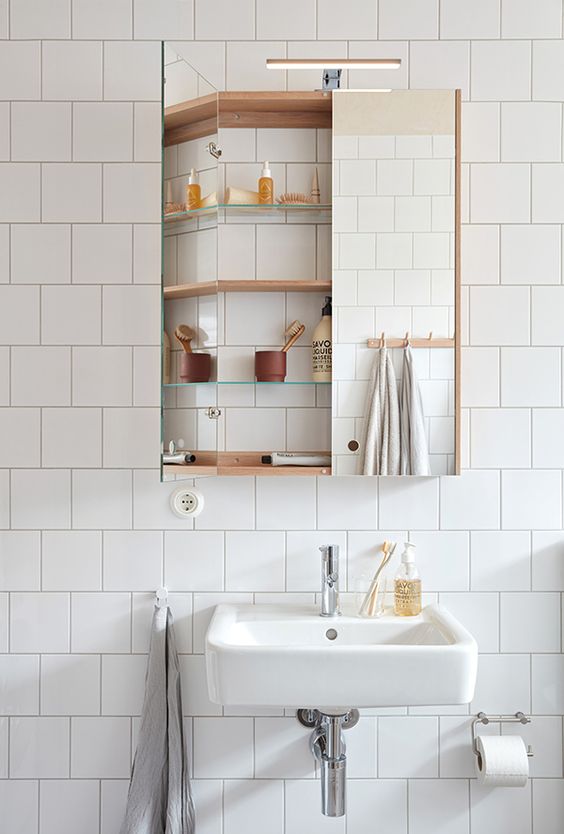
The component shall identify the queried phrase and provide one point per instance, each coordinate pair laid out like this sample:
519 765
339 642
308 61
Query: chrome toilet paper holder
482 718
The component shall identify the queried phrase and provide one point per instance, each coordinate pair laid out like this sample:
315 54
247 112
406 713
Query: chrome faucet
330 580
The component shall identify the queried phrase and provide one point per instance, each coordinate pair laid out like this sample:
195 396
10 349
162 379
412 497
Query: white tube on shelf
296 459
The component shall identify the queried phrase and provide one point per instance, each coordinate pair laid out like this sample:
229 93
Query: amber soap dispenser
193 192
266 186
407 585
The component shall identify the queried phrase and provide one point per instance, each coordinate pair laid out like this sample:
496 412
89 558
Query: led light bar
332 63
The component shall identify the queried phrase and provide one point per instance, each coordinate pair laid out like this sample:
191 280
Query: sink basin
289 656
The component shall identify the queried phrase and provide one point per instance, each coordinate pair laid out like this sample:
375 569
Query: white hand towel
159 800
381 451
414 452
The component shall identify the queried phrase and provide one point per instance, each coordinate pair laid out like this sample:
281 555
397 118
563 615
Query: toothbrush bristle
292 328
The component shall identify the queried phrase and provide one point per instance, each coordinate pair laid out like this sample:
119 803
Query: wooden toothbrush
293 332
185 334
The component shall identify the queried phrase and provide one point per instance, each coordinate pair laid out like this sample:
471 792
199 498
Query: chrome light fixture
332 67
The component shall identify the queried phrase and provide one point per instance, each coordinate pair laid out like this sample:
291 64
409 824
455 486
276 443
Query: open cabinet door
189 271
396 239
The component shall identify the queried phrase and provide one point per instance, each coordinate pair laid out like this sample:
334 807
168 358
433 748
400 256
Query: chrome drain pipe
333 768
328 746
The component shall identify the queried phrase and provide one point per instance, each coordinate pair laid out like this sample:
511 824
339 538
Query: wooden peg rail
429 342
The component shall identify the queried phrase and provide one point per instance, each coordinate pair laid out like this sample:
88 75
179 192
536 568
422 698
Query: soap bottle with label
266 185
193 192
407 585
322 345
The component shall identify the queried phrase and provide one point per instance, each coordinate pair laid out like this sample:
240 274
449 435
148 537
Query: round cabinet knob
353 445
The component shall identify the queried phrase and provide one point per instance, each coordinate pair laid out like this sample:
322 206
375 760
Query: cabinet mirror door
396 218
189 270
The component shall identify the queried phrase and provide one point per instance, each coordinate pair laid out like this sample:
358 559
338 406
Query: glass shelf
311 210
244 382
172 216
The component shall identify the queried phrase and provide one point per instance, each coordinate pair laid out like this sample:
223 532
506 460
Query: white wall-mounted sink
283 655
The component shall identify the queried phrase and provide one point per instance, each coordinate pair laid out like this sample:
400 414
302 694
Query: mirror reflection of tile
393 225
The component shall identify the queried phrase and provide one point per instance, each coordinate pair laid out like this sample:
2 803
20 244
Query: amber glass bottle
193 192
266 186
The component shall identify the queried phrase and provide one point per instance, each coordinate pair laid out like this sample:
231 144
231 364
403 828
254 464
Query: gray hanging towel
414 452
381 450
159 799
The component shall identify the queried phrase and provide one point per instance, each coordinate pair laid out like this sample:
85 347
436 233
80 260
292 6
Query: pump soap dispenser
407 585
322 345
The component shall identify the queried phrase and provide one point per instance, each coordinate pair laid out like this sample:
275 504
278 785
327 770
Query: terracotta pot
270 366
194 367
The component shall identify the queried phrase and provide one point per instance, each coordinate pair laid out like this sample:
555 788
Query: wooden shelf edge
290 100
274 471
191 119
201 116
211 287
308 109
274 286
189 290
194 471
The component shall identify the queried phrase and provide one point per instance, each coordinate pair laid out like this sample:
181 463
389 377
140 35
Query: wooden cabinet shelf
190 290
240 463
201 116
211 287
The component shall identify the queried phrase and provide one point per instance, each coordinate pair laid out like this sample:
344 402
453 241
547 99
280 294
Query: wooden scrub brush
185 334
293 333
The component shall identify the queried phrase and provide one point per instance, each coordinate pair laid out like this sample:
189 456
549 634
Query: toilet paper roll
502 761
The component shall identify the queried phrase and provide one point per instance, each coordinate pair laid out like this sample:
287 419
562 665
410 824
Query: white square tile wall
79 112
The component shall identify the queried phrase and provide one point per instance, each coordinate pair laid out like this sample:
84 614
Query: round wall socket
187 502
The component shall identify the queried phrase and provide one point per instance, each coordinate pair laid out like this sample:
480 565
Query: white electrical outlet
187 502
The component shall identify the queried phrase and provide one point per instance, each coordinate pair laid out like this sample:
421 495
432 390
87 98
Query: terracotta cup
194 367
270 366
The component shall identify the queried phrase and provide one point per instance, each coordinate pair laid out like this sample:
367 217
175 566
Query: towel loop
430 335
407 338
161 598
383 339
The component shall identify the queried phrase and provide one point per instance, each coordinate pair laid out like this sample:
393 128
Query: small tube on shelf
296 459
179 457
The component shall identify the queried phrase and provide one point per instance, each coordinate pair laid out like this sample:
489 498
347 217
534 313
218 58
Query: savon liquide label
407 597
322 359
322 346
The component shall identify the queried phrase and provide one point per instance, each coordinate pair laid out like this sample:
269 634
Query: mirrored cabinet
303 231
